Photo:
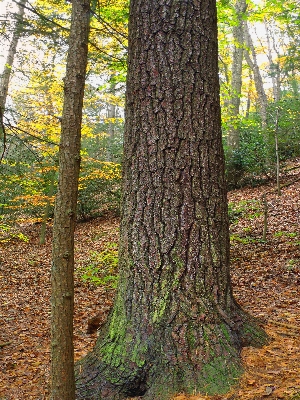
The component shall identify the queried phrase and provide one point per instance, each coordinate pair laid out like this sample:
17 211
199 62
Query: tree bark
252 62
5 77
274 67
111 117
277 152
62 273
233 138
175 326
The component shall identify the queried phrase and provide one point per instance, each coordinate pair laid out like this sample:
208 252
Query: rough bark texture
62 299
175 326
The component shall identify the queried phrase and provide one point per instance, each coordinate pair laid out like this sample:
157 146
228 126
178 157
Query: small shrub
243 240
8 233
102 268
286 234
248 209
99 188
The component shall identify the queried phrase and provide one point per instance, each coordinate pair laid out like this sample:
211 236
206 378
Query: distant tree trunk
234 171
277 152
274 66
62 299
42 238
5 77
251 59
233 138
249 95
265 230
111 116
175 326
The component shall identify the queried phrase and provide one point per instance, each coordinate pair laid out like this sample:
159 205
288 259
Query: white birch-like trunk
251 58
5 77
236 74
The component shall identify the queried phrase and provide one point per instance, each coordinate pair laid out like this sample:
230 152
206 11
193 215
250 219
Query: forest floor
265 274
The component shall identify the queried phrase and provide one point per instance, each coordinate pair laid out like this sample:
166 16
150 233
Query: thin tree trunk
5 77
233 138
249 95
47 209
265 230
277 152
51 111
274 66
234 171
62 273
175 326
111 116
253 64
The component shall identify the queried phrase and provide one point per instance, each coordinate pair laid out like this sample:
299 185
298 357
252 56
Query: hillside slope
266 279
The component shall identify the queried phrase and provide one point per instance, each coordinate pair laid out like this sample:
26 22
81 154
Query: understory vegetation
259 63
265 276
259 99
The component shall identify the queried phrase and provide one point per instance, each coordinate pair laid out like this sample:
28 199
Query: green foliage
286 234
102 268
8 233
247 209
102 144
25 189
243 240
292 264
288 126
295 396
249 161
254 160
99 188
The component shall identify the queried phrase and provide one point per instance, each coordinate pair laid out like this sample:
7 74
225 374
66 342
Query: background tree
32 133
4 81
32 120
62 272
251 58
235 93
174 326
233 139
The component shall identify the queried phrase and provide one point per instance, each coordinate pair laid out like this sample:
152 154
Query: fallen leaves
266 277
25 307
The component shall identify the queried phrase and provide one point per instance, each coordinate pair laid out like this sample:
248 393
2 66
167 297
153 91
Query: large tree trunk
62 272
174 326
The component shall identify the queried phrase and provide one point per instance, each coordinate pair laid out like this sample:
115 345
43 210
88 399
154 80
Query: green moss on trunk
175 326
162 360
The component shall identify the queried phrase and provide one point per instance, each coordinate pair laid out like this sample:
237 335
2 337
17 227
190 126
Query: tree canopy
31 121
